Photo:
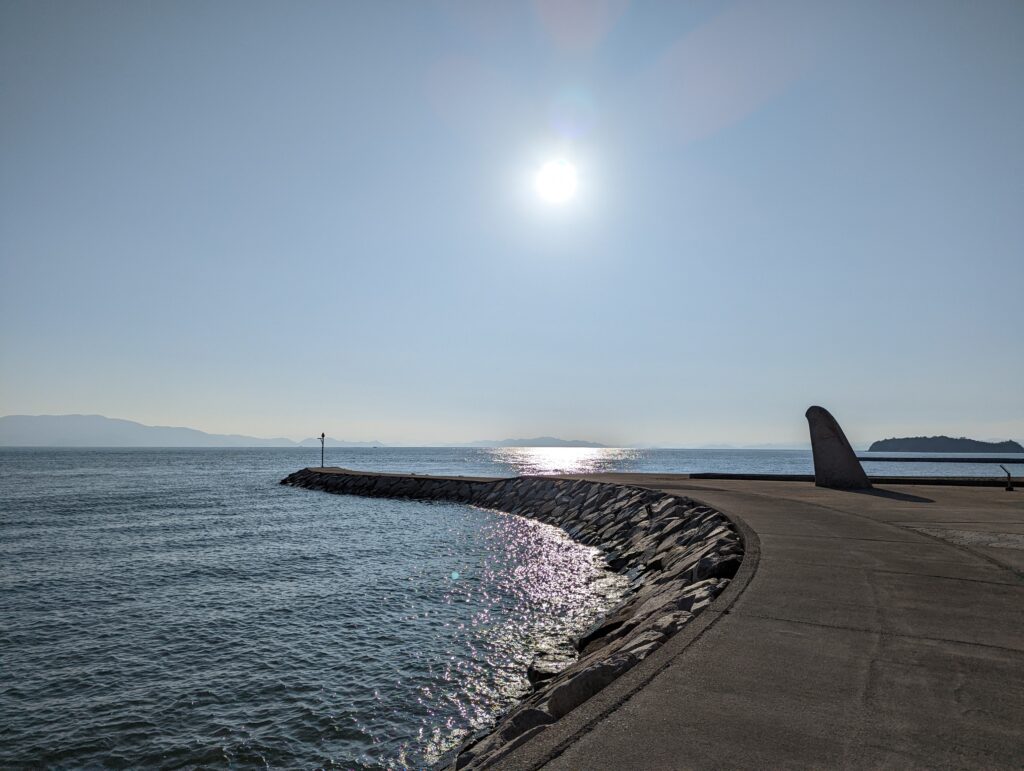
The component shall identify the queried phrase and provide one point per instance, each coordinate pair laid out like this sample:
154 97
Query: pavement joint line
913 522
833 537
894 747
865 517
969 550
840 512
1016 584
965 549
879 632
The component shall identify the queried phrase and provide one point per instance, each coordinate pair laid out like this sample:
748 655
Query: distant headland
100 431
943 444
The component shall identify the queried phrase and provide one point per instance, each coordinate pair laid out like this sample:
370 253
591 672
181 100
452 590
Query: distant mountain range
943 444
100 431
539 441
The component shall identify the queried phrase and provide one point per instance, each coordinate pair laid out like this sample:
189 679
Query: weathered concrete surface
835 462
860 640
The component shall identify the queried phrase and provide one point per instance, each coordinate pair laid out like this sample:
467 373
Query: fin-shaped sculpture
835 463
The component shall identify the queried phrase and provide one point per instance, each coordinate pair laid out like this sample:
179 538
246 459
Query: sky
278 219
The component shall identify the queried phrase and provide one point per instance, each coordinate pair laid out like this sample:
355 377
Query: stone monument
835 463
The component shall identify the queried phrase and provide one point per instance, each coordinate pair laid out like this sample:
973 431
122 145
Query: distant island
943 444
314 441
539 441
100 431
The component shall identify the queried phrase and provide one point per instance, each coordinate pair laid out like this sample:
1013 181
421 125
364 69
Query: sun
556 181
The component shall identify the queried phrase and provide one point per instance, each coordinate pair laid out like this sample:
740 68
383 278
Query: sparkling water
169 608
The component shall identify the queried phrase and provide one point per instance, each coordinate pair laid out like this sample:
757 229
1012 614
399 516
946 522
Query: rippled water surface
179 608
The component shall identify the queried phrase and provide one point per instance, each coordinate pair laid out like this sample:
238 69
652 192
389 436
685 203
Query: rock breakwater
677 553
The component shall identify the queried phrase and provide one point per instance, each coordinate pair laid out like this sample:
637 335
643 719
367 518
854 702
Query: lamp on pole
322 437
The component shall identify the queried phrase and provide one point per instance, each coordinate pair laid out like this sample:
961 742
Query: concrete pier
868 628
676 555
882 628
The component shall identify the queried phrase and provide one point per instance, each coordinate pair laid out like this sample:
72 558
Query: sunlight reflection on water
564 460
535 591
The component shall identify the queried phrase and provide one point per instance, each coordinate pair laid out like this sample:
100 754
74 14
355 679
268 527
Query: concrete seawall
678 554
875 629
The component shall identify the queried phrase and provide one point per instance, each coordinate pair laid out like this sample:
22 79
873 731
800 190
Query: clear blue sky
281 218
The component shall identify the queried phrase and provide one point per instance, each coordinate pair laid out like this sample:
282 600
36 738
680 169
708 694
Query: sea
178 608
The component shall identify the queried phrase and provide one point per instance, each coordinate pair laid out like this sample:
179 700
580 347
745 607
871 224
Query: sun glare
556 181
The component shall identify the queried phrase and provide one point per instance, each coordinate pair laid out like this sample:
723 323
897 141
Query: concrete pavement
877 629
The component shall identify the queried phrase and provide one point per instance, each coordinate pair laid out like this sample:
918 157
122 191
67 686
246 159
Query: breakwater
677 553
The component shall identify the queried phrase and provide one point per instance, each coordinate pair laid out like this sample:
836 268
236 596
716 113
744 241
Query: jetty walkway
882 628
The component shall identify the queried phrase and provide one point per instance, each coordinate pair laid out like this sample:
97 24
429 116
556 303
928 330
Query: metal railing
999 461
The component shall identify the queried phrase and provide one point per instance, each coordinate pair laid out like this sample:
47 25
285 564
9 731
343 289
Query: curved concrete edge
653 534
859 642
562 734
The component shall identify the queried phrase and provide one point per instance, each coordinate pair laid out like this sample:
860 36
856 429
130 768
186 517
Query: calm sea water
557 460
179 608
